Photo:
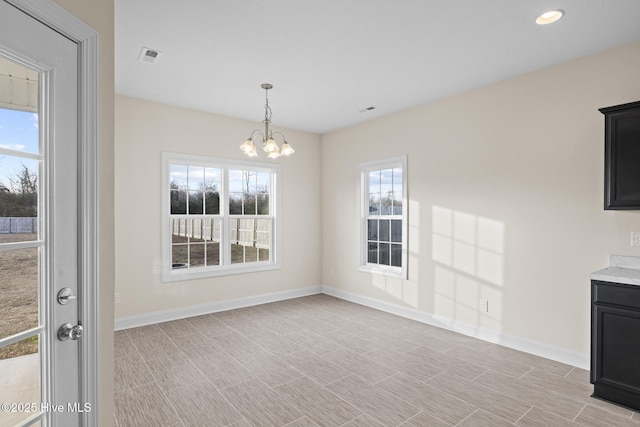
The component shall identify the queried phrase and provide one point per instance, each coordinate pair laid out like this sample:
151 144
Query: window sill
396 272
179 275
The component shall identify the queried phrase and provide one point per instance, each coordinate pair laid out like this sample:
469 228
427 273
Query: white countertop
622 269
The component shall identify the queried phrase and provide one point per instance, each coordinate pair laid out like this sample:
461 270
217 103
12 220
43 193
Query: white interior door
40 379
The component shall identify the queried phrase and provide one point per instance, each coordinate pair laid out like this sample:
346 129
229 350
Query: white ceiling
329 59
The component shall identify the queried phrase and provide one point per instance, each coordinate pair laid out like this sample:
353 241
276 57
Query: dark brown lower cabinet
615 343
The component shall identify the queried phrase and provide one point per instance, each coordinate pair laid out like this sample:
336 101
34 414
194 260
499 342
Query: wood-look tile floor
322 361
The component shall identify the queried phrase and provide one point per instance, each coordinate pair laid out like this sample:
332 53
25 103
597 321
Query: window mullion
224 210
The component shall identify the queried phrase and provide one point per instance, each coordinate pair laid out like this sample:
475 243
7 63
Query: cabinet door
617 350
622 155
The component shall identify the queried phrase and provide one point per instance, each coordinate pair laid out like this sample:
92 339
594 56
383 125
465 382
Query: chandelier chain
267 109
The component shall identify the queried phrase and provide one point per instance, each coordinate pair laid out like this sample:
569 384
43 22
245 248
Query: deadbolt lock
65 295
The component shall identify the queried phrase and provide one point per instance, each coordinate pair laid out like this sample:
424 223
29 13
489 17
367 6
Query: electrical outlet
635 238
484 305
116 298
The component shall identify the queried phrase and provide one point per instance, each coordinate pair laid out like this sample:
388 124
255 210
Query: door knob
70 332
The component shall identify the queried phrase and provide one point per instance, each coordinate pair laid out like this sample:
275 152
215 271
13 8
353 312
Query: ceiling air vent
371 108
149 55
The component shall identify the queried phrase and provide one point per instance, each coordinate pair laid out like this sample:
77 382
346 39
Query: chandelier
269 144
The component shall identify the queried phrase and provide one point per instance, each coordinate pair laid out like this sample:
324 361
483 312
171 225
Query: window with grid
383 237
219 217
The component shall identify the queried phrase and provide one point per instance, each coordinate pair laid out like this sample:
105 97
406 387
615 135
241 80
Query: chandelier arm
258 132
278 133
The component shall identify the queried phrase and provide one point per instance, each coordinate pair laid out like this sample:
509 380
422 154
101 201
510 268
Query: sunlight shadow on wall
414 241
403 290
469 255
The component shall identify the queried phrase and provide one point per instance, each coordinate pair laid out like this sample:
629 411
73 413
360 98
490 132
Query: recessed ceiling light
549 17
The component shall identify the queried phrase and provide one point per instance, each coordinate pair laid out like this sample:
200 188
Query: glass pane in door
21 247
19 290
18 195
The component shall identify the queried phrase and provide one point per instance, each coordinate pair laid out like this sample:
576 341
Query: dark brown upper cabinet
622 156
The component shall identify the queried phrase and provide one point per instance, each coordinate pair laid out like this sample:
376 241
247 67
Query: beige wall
99 16
143 131
505 203
506 200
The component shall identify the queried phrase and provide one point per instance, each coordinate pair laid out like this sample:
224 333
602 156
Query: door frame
57 18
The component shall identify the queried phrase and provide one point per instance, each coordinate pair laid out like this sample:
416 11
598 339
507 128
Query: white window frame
364 215
225 268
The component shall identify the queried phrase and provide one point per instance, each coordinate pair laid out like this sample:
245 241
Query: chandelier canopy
269 144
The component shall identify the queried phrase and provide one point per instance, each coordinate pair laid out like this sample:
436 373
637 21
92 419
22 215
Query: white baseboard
196 310
558 354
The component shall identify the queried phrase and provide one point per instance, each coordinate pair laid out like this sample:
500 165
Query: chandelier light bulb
271 146
248 147
287 150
